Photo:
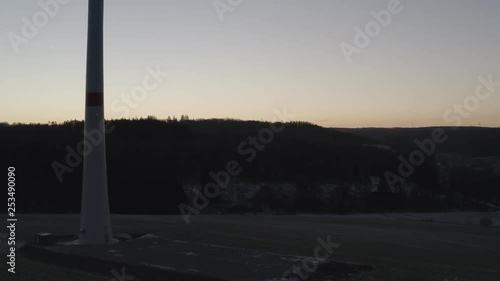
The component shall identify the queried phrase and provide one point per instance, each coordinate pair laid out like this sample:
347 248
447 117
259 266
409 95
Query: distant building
359 190
327 188
408 187
375 184
237 194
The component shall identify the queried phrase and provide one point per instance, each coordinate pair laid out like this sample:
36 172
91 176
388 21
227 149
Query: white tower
95 222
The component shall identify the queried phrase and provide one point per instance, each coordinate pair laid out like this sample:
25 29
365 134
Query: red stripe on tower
94 99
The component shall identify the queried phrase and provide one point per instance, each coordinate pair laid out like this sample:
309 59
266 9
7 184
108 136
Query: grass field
399 249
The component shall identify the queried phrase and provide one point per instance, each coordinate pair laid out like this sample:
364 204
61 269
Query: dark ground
398 249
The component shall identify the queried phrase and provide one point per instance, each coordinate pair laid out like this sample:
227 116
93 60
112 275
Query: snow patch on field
70 243
158 266
190 254
124 236
149 236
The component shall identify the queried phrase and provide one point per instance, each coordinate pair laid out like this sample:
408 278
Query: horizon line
247 120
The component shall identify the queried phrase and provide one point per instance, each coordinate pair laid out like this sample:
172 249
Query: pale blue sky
265 54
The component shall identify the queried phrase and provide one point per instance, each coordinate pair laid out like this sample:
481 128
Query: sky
244 59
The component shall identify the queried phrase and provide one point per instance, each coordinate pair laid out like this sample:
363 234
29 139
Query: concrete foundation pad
155 258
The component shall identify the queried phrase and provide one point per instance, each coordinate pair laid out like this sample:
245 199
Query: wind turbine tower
95 222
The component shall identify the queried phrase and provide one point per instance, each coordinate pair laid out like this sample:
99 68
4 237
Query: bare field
399 249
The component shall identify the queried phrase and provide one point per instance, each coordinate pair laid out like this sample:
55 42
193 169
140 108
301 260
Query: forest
150 160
